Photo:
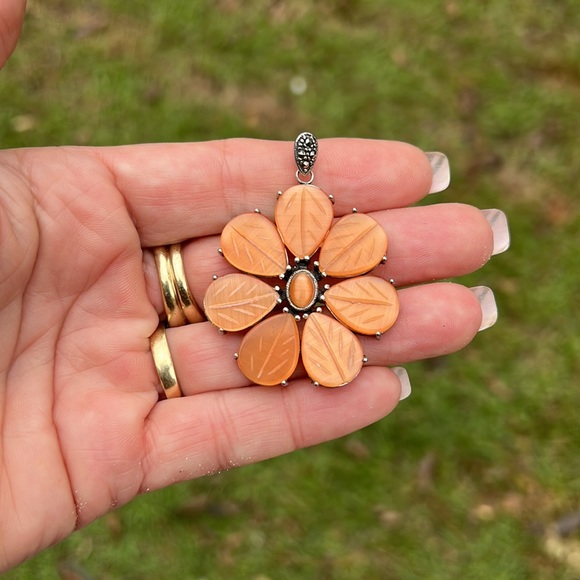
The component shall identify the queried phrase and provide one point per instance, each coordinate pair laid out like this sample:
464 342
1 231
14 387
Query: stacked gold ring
180 309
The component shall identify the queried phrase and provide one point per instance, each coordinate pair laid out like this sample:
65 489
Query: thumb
11 17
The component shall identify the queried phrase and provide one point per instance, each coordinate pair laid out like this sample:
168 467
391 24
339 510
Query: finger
195 436
180 191
425 244
434 320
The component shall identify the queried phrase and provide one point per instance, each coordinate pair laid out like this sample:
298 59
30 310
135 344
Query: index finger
180 191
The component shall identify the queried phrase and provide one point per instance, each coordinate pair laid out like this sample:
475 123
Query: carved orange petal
303 215
366 304
332 354
236 301
251 243
269 352
355 245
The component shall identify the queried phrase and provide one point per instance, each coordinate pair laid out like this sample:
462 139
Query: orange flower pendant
321 249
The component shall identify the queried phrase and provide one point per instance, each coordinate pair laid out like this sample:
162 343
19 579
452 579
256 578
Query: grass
463 479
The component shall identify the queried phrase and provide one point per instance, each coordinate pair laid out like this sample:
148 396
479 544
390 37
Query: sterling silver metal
305 153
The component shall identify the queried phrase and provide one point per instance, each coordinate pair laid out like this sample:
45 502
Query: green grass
459 481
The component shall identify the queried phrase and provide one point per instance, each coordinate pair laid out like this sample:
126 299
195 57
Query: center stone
302 290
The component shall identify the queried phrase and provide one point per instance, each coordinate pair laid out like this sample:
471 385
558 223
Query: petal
367 304
303 215
237 301
332 354
355 245
251 243
269 352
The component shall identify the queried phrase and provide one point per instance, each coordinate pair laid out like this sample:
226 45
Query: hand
82 428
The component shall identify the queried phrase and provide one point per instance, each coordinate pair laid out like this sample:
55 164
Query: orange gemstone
355 245
301 289
238 301
251 243
331 353
269 352
303 215
366 304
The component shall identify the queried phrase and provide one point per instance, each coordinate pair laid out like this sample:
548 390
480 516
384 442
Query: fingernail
499 226
440 171
488 306
404 380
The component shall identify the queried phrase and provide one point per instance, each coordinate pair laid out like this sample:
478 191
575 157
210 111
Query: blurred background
477 474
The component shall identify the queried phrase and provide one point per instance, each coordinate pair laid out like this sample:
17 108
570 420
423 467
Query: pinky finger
202 434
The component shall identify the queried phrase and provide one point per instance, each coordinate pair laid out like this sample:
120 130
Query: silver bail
305 152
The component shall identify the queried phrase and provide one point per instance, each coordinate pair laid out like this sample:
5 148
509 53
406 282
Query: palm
82 428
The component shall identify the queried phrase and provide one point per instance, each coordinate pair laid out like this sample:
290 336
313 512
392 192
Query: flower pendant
322 250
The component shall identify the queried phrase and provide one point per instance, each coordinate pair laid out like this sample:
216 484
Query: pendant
304 248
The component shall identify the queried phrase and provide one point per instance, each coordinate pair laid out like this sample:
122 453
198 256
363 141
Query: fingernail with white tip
499 226
488 306
404 380
440 171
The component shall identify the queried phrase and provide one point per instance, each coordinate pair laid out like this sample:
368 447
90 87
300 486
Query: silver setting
221 252
384 260
315 296
392 281
331 198
214 277
278 195
304 181
236 356
305 153
284 384
378 335
297 317
316 383
319 310
365 359
354 210
221 331
257 211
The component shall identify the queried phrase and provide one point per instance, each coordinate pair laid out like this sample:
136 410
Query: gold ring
164 363
173 312
188 306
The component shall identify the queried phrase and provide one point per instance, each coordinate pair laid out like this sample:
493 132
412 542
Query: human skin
83 429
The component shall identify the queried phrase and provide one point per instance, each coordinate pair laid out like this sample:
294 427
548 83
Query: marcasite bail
305 153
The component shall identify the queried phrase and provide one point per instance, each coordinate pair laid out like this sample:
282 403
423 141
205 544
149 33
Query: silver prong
319 310
331 198
220 252
297 259
327 286
378 335
392 281
365 360
277 288
236 356
279 300
323 274
322 298
221 331
288 268
284 384
354 210
316 383
384 260
307 258
316 264
305 315
278 195
297 317
282 276
257 211
285 310
214 277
